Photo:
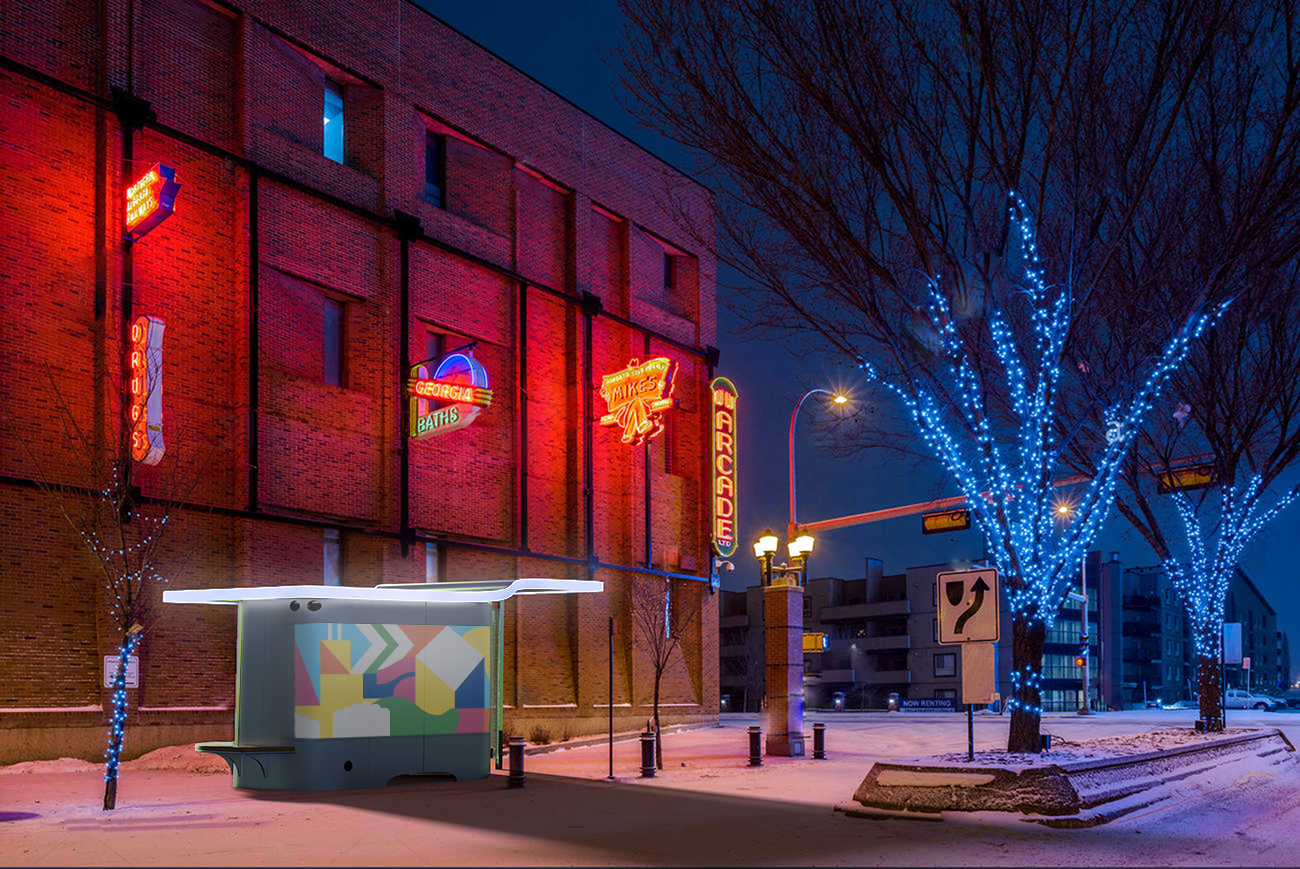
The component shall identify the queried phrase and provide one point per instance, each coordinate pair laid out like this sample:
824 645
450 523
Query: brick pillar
783 632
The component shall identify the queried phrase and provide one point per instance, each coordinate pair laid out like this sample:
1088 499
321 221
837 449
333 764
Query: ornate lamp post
783 632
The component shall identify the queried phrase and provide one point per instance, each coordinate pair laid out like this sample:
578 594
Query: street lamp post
838 398
1066 514
783 586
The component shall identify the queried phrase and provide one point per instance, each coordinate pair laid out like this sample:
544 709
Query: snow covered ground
706 808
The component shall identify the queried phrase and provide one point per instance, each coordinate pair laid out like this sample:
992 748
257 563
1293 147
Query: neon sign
145 412
451 399
724 465
637 396
149 201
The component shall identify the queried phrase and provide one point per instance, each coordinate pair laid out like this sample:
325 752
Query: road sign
968 606
979 673
1231 653
1245 663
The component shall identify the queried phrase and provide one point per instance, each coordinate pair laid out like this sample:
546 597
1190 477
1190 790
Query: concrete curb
1068 794
603 739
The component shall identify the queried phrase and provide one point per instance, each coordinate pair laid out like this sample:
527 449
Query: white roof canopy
438 592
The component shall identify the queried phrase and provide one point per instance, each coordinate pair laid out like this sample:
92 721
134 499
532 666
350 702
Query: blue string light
1008 487
1202 581
117 723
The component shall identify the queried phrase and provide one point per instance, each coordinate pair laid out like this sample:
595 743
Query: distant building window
333 573
945 693
945 664
435 168
670 271
332 342
807 606
333 141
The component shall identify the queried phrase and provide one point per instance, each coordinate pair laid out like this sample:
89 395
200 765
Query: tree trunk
1027 661
1208 684
116 728
659 745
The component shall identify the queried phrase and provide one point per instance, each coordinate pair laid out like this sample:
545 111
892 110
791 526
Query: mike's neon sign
451 398
150 200
637 396
724 396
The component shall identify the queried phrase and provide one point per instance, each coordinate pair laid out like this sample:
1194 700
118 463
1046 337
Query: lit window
333 141
333 558
332 342
435 168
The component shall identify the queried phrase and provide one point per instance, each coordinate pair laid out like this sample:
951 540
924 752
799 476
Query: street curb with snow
1063 794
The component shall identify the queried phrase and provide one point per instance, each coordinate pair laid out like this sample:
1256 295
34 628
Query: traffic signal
1080 661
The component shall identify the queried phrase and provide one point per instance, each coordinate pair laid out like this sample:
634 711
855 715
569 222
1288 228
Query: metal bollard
648 754
819 741
755 745
516 777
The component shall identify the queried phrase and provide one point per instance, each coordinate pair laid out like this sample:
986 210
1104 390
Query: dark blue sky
572 47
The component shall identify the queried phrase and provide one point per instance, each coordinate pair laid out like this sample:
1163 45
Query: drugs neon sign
451 398
637 396
724 396
145 412
149 201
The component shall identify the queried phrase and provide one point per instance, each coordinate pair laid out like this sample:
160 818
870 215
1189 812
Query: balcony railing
866 610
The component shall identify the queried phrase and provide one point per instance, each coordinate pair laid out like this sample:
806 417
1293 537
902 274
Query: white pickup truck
1238 698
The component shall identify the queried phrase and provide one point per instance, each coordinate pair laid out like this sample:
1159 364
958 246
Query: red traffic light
1080 661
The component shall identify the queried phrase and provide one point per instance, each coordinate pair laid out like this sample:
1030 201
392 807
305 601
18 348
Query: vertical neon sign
724 396
145 413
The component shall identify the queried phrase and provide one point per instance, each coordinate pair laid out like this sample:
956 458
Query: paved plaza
706 808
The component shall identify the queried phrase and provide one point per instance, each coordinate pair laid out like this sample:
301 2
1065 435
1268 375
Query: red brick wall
249 80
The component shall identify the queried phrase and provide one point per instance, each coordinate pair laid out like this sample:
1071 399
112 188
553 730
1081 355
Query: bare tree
661 622
863 152
94 482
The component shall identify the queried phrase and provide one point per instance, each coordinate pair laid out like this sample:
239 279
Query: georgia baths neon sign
451 398
637 396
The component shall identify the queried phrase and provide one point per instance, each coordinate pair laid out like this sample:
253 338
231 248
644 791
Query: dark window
945 664
434 342
333 572
332 342
435 168
670 271
807 607
945 693
333 124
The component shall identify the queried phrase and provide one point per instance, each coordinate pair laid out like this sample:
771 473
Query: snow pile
63 764
1101 748
181 758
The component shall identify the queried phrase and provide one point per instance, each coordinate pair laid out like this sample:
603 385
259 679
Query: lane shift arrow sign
979 588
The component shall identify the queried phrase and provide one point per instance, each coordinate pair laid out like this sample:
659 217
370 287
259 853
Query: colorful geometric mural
389 680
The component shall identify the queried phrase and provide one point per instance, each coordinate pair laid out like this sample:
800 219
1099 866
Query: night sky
572 47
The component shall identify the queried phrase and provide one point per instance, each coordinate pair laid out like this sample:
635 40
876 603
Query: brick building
306 268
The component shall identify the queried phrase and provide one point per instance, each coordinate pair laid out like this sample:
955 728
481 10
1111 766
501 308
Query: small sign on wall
132 671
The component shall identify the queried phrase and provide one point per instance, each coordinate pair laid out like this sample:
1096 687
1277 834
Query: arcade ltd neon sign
451 398
724 396
145 412
637 396
150 200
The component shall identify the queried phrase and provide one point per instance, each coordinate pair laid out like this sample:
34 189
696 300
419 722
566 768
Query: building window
333 573
807 606
934 627
431 571
670 271
333 125
434 344
945 693
945 664
435 168
332 342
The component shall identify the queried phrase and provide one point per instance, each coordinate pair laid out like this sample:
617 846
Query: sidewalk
706 808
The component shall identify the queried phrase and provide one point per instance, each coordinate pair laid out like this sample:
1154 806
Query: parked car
1290 698
1238 698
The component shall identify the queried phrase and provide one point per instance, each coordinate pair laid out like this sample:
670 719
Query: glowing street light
837 398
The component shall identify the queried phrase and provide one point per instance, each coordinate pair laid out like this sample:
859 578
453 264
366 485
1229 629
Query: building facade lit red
303 274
